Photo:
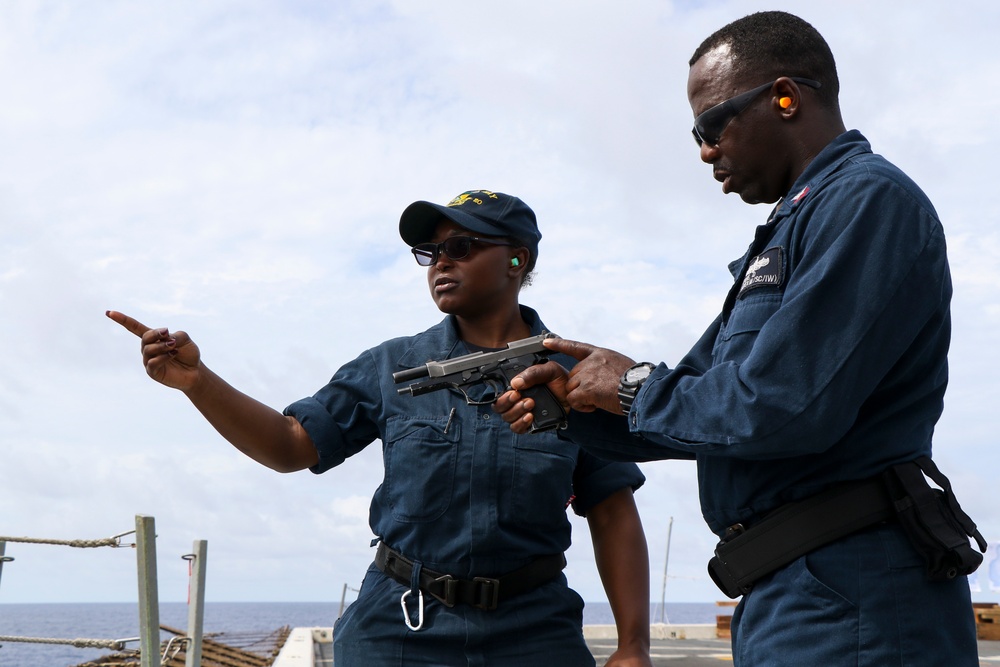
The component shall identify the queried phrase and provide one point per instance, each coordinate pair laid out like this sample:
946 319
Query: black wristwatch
629 385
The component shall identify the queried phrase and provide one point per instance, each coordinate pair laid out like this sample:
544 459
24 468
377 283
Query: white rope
113 644
114 541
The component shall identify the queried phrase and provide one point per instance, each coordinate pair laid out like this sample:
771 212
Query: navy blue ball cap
479 211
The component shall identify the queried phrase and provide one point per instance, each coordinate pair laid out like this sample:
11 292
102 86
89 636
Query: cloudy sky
237 170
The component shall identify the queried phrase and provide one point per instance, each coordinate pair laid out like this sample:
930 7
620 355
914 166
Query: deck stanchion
196 603
149 602
3 559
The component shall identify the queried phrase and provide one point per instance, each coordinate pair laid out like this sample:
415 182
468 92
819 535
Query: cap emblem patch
467 197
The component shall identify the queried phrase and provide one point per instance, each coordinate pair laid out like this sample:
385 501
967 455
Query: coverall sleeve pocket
420 458
750 315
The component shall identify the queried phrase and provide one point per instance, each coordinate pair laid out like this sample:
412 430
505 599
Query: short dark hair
767 45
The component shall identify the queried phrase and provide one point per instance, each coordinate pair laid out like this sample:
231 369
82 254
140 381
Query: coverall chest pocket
746 319
542 480
420 457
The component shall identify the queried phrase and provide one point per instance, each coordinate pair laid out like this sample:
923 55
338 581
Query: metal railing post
149 603
196 603
666 562
3 559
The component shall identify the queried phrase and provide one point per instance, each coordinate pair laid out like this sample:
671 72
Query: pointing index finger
575 349
130 323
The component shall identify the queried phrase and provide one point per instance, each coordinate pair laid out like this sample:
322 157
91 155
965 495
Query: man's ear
786 96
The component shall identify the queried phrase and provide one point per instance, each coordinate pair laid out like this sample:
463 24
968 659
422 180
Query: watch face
637 373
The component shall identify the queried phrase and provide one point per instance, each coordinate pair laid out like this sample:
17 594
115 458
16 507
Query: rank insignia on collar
765 270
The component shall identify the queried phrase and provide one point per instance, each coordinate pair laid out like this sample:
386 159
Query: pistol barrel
410 374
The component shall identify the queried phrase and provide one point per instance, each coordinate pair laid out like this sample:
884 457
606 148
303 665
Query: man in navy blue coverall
827 364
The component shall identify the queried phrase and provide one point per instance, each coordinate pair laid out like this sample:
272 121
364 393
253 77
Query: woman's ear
519 260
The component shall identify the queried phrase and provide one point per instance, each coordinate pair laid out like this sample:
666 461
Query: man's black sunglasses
455 247
708 126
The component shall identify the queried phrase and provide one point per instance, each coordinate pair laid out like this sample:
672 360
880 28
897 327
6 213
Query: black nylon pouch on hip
932 519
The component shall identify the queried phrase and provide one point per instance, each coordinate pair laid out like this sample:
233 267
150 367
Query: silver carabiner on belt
406 612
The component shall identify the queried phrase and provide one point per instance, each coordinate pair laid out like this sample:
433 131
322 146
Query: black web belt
481 592
743 556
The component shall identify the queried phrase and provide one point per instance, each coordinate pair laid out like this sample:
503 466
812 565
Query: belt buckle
487 593
450 588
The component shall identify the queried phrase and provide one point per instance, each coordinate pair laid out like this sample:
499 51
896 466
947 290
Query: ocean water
121 620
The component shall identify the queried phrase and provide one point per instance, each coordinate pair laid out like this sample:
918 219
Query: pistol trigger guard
468 399
494 386
498 388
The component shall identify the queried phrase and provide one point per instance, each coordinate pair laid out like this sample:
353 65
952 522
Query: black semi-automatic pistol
495 370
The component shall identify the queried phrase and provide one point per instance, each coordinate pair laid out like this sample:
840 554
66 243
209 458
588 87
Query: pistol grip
548 412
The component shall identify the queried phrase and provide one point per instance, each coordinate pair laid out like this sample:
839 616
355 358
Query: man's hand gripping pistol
495 370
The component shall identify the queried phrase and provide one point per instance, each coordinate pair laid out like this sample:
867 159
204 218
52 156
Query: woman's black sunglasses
455 247
708 126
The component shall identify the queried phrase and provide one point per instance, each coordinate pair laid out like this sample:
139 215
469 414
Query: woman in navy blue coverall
826 366
463 496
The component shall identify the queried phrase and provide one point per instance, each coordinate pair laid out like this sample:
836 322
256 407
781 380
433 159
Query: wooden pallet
987 620
723 621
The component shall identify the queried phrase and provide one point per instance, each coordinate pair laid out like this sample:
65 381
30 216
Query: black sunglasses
709 126
455 247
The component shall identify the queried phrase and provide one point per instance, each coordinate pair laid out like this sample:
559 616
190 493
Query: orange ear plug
784 102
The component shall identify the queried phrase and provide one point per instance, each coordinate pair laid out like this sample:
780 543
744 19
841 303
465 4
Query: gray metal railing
149 606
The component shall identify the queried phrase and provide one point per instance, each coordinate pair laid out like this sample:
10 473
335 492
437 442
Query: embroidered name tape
766 270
